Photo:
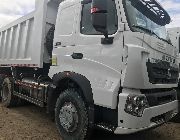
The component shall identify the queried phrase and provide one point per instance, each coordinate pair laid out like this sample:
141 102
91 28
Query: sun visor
153 10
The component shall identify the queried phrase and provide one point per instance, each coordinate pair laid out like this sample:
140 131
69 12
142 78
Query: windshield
139 22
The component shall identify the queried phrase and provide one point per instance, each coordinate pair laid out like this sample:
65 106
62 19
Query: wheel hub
68 117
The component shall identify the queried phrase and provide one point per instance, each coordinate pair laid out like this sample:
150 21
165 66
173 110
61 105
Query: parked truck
174 34
92 63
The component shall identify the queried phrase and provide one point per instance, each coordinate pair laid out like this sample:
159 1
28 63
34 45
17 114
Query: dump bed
22 41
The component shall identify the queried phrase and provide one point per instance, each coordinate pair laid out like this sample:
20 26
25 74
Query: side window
66 23
86 23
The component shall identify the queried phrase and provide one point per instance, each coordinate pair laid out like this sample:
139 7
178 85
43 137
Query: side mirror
99 19
99 16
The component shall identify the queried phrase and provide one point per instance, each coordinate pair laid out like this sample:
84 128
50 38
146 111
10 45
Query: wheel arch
60 83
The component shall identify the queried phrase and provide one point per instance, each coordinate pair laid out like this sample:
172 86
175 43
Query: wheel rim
5 93
68 117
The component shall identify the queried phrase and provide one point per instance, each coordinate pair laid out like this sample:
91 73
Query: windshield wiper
146 30
142 28
151 32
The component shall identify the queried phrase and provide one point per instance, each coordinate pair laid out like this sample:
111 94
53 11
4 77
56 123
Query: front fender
80 80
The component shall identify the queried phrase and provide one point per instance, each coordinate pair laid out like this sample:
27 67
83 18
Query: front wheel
71 116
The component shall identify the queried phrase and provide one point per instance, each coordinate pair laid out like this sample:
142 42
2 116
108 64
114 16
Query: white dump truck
92 63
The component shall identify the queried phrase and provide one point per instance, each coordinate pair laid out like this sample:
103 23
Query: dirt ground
32 123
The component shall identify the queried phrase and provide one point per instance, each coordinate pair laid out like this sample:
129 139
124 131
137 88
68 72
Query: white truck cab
93 63
132 67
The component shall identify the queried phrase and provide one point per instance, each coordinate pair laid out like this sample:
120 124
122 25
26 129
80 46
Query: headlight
135 105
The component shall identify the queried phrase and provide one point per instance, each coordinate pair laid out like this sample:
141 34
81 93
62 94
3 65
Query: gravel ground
32 123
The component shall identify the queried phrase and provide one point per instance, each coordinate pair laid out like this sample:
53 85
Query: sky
13 9
173 8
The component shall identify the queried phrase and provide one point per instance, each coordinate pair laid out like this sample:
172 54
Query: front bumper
152 117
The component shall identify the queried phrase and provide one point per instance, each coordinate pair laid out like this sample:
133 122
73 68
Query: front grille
161 72
157 97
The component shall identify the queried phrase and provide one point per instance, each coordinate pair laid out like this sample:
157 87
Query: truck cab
122 48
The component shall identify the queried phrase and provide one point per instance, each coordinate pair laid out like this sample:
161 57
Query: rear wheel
1 83
8 99
71 116
0 94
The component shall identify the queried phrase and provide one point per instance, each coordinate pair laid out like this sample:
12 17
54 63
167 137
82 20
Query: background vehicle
92 64
174 34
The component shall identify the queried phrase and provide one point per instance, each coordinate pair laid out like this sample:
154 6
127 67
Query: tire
8 99
71 116
1 83
0 94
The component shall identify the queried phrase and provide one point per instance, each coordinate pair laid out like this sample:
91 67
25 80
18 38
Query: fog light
135 105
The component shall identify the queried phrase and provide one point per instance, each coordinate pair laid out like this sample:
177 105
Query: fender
81 81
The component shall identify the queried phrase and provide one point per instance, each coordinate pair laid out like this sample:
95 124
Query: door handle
77 55
58 44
